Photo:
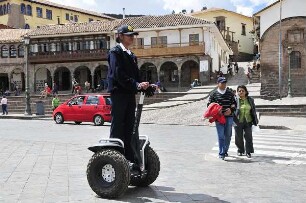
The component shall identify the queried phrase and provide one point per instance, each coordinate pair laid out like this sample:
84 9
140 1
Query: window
39 12
49 14
243 32
1 11
295 36
26 26
76 19
90 19
193 39
4 9
139 43
4 52
20 51
29 10
92 100
22 9
159 41
67 16
13 52
295 60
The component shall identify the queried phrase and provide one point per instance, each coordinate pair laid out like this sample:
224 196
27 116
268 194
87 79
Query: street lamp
289 49
26 41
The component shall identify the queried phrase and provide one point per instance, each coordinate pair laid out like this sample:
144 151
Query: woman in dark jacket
245 117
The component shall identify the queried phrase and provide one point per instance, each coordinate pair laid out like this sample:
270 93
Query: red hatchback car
84 108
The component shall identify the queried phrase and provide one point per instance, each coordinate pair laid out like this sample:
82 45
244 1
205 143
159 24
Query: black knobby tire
152 166
102 187
58 118
98 120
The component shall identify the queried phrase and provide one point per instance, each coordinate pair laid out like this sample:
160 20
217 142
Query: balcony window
13 51
29 10
243 31
4 9
22 9
20 51
4 52
295 60
26 26
139 43
49 14
159 41
67 16
76 19
1 11
39 12
90 19
193 39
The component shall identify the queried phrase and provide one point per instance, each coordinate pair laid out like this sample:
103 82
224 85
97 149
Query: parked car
84 108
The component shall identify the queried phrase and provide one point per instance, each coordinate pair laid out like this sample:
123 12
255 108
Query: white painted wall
290 8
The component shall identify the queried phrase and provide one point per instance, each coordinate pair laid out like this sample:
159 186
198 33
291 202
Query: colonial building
293 32
235 29
12 58
174 49
30 14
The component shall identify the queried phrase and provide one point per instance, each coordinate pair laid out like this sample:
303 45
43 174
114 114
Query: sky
160 7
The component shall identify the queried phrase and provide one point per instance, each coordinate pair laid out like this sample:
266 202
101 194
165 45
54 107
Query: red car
84 108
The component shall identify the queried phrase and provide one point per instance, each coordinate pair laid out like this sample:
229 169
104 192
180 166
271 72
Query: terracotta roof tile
12 35
172 20
72 8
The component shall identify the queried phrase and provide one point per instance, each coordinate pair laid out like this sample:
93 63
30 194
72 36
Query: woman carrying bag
245 117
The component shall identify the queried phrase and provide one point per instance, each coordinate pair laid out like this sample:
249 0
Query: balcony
169 50
68 56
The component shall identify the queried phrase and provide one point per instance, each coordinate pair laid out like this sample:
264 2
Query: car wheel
98 120
152 167
108 173
58 118
77 122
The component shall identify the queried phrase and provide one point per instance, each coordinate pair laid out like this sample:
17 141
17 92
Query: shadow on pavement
257 159
164 194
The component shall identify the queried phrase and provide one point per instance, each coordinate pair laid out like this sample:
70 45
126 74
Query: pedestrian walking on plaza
123 84
245 117
4 105
236 67
87 86
74 83
54 88
224 97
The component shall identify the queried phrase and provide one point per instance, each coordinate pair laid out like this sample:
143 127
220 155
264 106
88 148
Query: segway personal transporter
109 173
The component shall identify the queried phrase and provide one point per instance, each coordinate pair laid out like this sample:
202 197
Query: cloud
246 7
247 11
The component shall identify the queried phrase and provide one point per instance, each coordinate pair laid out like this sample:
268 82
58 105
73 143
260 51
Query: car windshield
77 100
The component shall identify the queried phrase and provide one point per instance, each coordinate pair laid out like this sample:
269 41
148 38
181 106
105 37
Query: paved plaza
44 162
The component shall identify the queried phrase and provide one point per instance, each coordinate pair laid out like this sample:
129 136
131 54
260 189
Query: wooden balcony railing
68 56
170 50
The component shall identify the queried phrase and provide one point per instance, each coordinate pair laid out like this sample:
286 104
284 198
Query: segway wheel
108 173
152 166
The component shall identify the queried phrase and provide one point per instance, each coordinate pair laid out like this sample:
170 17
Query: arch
4 9
8 8
4 82
169 76
190 71
148 72
18 78
62 78
100 77
13 51
22 9
82 74
4 52
1 11
29 10
21 51
42 76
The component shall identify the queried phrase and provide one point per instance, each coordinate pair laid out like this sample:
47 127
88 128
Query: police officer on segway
123 85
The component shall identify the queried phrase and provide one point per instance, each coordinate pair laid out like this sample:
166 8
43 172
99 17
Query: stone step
283 114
